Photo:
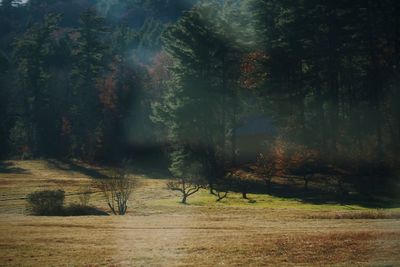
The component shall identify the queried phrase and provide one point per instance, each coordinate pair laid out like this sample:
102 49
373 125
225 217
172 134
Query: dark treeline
75 75
318 80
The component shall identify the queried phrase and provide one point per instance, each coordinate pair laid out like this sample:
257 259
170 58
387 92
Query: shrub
46 202
117 190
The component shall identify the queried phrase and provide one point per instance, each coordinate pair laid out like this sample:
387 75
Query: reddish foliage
160 72
108 94
66 127
252 71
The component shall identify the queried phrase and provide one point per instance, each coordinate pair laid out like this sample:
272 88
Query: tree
186 187
188 173
268 167
200 93
33 51
85 110
327 75
117 190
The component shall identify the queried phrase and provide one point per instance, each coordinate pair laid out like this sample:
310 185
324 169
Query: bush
46 202
117 190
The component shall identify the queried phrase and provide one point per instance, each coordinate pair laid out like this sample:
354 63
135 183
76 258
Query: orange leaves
66 127
284 156
108 95
274 162
252 72
160 72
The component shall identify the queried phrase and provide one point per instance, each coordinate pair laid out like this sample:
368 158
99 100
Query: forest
199 133
207 87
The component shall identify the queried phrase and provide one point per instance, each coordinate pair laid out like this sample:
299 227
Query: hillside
159 231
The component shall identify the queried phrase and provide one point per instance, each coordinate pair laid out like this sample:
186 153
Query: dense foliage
318 79
75 76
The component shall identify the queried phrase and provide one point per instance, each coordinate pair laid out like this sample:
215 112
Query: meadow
159 231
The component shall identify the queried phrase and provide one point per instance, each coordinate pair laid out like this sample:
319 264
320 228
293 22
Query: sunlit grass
160 231
151 193
204 199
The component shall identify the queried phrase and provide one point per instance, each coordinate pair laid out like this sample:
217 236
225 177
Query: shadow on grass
74 210
67 165
152 165
319 196
79 210
9 167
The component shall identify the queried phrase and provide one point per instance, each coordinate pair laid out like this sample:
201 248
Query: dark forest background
306 87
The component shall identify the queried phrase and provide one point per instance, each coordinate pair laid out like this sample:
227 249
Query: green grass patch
205 199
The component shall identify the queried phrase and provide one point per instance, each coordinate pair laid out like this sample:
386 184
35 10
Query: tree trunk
268 183
306 180
233 136
212 190
321 114
184 199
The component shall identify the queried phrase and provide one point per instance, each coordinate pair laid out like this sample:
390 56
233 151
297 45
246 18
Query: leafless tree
221 195
117 189
222 187
186 186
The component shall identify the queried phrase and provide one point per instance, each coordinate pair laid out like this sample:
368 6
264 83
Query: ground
159 231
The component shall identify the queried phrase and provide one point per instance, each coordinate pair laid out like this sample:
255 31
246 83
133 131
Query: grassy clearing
159 231
203 198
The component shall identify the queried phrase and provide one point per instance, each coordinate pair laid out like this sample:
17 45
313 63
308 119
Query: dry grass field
158 231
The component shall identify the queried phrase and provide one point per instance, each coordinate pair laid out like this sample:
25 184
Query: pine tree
90 64
190 110
33 51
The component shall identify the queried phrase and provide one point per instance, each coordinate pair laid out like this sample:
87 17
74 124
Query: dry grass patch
367 214
158 231
293 249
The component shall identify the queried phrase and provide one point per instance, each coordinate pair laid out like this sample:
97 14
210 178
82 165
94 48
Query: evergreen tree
200 108
191 105
33 51
90 64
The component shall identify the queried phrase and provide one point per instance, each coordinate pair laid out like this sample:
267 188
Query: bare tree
117 190
221 195
222 187
186 186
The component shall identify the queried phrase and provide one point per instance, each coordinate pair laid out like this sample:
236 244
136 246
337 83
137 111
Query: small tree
241 184
187 187
241 181
221 188
268 167
189 175
117 190
303 162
